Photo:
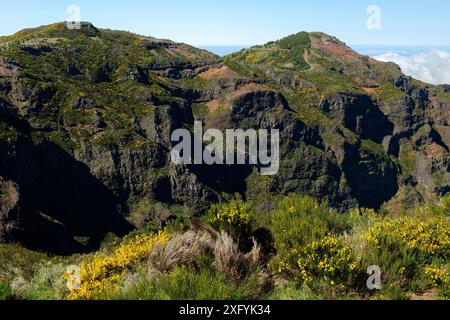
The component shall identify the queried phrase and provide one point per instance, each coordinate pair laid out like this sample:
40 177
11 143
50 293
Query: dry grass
187 248
9 196
183 249
229 260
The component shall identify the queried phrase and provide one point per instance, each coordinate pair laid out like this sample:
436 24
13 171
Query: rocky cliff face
86 117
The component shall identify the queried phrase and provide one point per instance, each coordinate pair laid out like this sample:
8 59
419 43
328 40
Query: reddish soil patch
220 72
226 101
337 50
369 90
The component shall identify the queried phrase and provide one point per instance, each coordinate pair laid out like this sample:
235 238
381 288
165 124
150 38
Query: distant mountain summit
86 117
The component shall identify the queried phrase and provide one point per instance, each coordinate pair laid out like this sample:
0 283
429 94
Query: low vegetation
303 249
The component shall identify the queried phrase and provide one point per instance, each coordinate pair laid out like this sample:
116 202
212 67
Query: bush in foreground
317 253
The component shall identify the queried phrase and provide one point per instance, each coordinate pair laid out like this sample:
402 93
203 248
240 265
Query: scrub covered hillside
85 123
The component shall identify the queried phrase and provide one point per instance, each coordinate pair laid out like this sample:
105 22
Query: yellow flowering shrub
430 237
234 217
437 276
102 273
297 222
356 215
301 219
329 259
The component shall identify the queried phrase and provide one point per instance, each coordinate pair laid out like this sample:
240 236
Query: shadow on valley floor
60 199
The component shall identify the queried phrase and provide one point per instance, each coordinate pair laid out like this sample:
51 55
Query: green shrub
234 217
291 292
306 239
298 220
8 135
15 259
404 247
395 292
446 205
399 265
330 259
5 291
47 284
428 237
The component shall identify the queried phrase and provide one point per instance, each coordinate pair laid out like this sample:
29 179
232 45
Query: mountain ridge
355 131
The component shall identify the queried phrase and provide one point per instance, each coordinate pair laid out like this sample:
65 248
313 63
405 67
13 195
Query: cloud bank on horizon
432 67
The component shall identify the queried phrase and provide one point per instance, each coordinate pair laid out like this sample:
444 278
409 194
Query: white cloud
431 67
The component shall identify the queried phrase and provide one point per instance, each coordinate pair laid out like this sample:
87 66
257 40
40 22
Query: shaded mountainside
86 117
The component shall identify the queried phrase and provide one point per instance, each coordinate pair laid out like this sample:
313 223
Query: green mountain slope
86 117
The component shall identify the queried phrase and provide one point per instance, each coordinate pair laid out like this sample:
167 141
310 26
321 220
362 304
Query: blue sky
246 22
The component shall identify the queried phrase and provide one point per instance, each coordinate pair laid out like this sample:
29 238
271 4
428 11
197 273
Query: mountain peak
55 30
325 38
300 39
303 39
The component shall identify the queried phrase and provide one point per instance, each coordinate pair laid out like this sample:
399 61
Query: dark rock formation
360 114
